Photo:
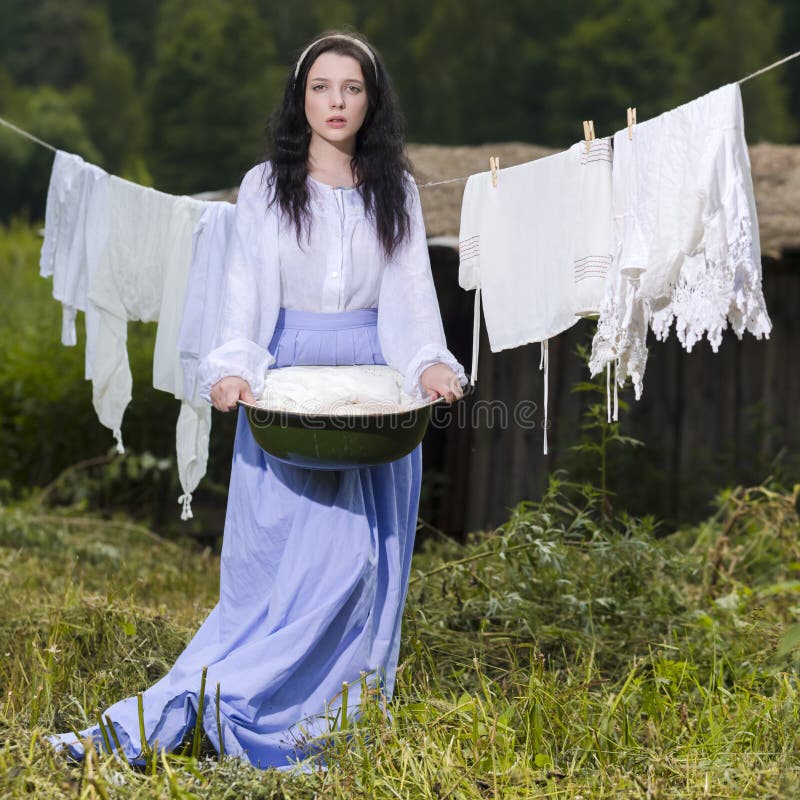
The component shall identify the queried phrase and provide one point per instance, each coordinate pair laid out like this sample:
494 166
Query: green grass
552 658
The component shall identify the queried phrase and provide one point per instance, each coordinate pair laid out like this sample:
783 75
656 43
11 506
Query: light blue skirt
314 574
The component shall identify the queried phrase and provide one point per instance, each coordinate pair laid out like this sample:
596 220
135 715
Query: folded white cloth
686 235
336 390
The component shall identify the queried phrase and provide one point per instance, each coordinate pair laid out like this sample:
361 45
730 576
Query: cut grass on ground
547 659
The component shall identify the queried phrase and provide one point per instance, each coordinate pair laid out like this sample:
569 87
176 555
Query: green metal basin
338 441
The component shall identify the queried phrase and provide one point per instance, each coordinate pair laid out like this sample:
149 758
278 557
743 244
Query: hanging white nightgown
686 235
149 232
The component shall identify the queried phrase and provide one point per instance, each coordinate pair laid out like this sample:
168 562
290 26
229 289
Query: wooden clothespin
588 133
494 165
631 121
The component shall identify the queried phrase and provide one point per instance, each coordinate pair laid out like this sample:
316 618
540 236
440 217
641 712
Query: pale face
336 99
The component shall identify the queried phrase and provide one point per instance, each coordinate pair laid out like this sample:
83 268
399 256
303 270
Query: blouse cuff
425 357
238 358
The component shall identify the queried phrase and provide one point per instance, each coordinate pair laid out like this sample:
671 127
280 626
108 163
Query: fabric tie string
476 335
185 500
544 364
117 433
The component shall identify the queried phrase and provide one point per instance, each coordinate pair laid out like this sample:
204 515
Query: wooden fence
706 420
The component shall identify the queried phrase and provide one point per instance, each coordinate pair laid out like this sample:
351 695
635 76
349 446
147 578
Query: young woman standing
328 265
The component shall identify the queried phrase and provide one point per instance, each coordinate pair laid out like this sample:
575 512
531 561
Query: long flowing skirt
313 578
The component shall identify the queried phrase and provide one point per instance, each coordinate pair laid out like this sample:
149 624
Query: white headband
337 36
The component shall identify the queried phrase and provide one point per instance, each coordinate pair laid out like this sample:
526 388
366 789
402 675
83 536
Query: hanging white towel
687 247
128 282
69 236
537 246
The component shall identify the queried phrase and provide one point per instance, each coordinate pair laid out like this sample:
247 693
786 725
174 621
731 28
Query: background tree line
175 93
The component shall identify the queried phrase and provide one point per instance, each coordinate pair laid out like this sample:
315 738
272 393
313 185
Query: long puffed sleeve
409 322
250 292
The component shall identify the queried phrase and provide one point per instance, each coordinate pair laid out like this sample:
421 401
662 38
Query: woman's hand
227 392
438 380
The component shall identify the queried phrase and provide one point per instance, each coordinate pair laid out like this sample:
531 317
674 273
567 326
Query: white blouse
340 267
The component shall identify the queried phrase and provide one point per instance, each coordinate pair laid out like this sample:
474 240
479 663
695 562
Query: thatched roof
776 177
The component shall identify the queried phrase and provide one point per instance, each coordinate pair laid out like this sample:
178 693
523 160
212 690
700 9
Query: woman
328 265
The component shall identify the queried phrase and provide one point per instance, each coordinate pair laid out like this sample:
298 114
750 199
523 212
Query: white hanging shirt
686 235
536 247
149 231
538 244
70 236
340 267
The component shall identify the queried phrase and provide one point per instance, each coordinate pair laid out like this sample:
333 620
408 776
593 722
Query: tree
107 98
736 38
213 84
627 56
26 166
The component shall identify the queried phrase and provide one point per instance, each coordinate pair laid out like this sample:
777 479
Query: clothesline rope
768 68
428 184
27 135
740 81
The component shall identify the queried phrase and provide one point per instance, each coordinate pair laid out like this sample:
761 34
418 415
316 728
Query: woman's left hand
438 380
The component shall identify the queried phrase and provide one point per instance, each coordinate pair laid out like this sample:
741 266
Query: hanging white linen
203 296
69 235
128 282
686 235
201 303
536 247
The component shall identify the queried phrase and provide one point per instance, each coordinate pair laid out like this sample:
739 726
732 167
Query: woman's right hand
225 394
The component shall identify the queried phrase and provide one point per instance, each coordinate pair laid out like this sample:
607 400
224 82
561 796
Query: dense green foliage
177 92
48 423
552 658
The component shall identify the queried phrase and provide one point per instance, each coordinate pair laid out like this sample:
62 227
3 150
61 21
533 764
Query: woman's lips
336 122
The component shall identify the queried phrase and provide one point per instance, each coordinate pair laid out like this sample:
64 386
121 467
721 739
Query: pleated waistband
327 321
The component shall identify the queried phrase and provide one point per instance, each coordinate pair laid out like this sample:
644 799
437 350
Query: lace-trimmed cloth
686 246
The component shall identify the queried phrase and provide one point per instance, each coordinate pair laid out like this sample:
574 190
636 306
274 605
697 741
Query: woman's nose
336 100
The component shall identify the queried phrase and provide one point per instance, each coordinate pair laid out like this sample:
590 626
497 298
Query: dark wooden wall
707 420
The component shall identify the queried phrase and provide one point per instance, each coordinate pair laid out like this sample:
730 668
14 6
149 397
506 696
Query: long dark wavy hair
380 162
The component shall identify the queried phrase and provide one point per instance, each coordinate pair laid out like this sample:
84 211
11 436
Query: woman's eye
318 86
354 89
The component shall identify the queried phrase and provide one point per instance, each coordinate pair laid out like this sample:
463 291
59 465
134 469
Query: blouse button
334 274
